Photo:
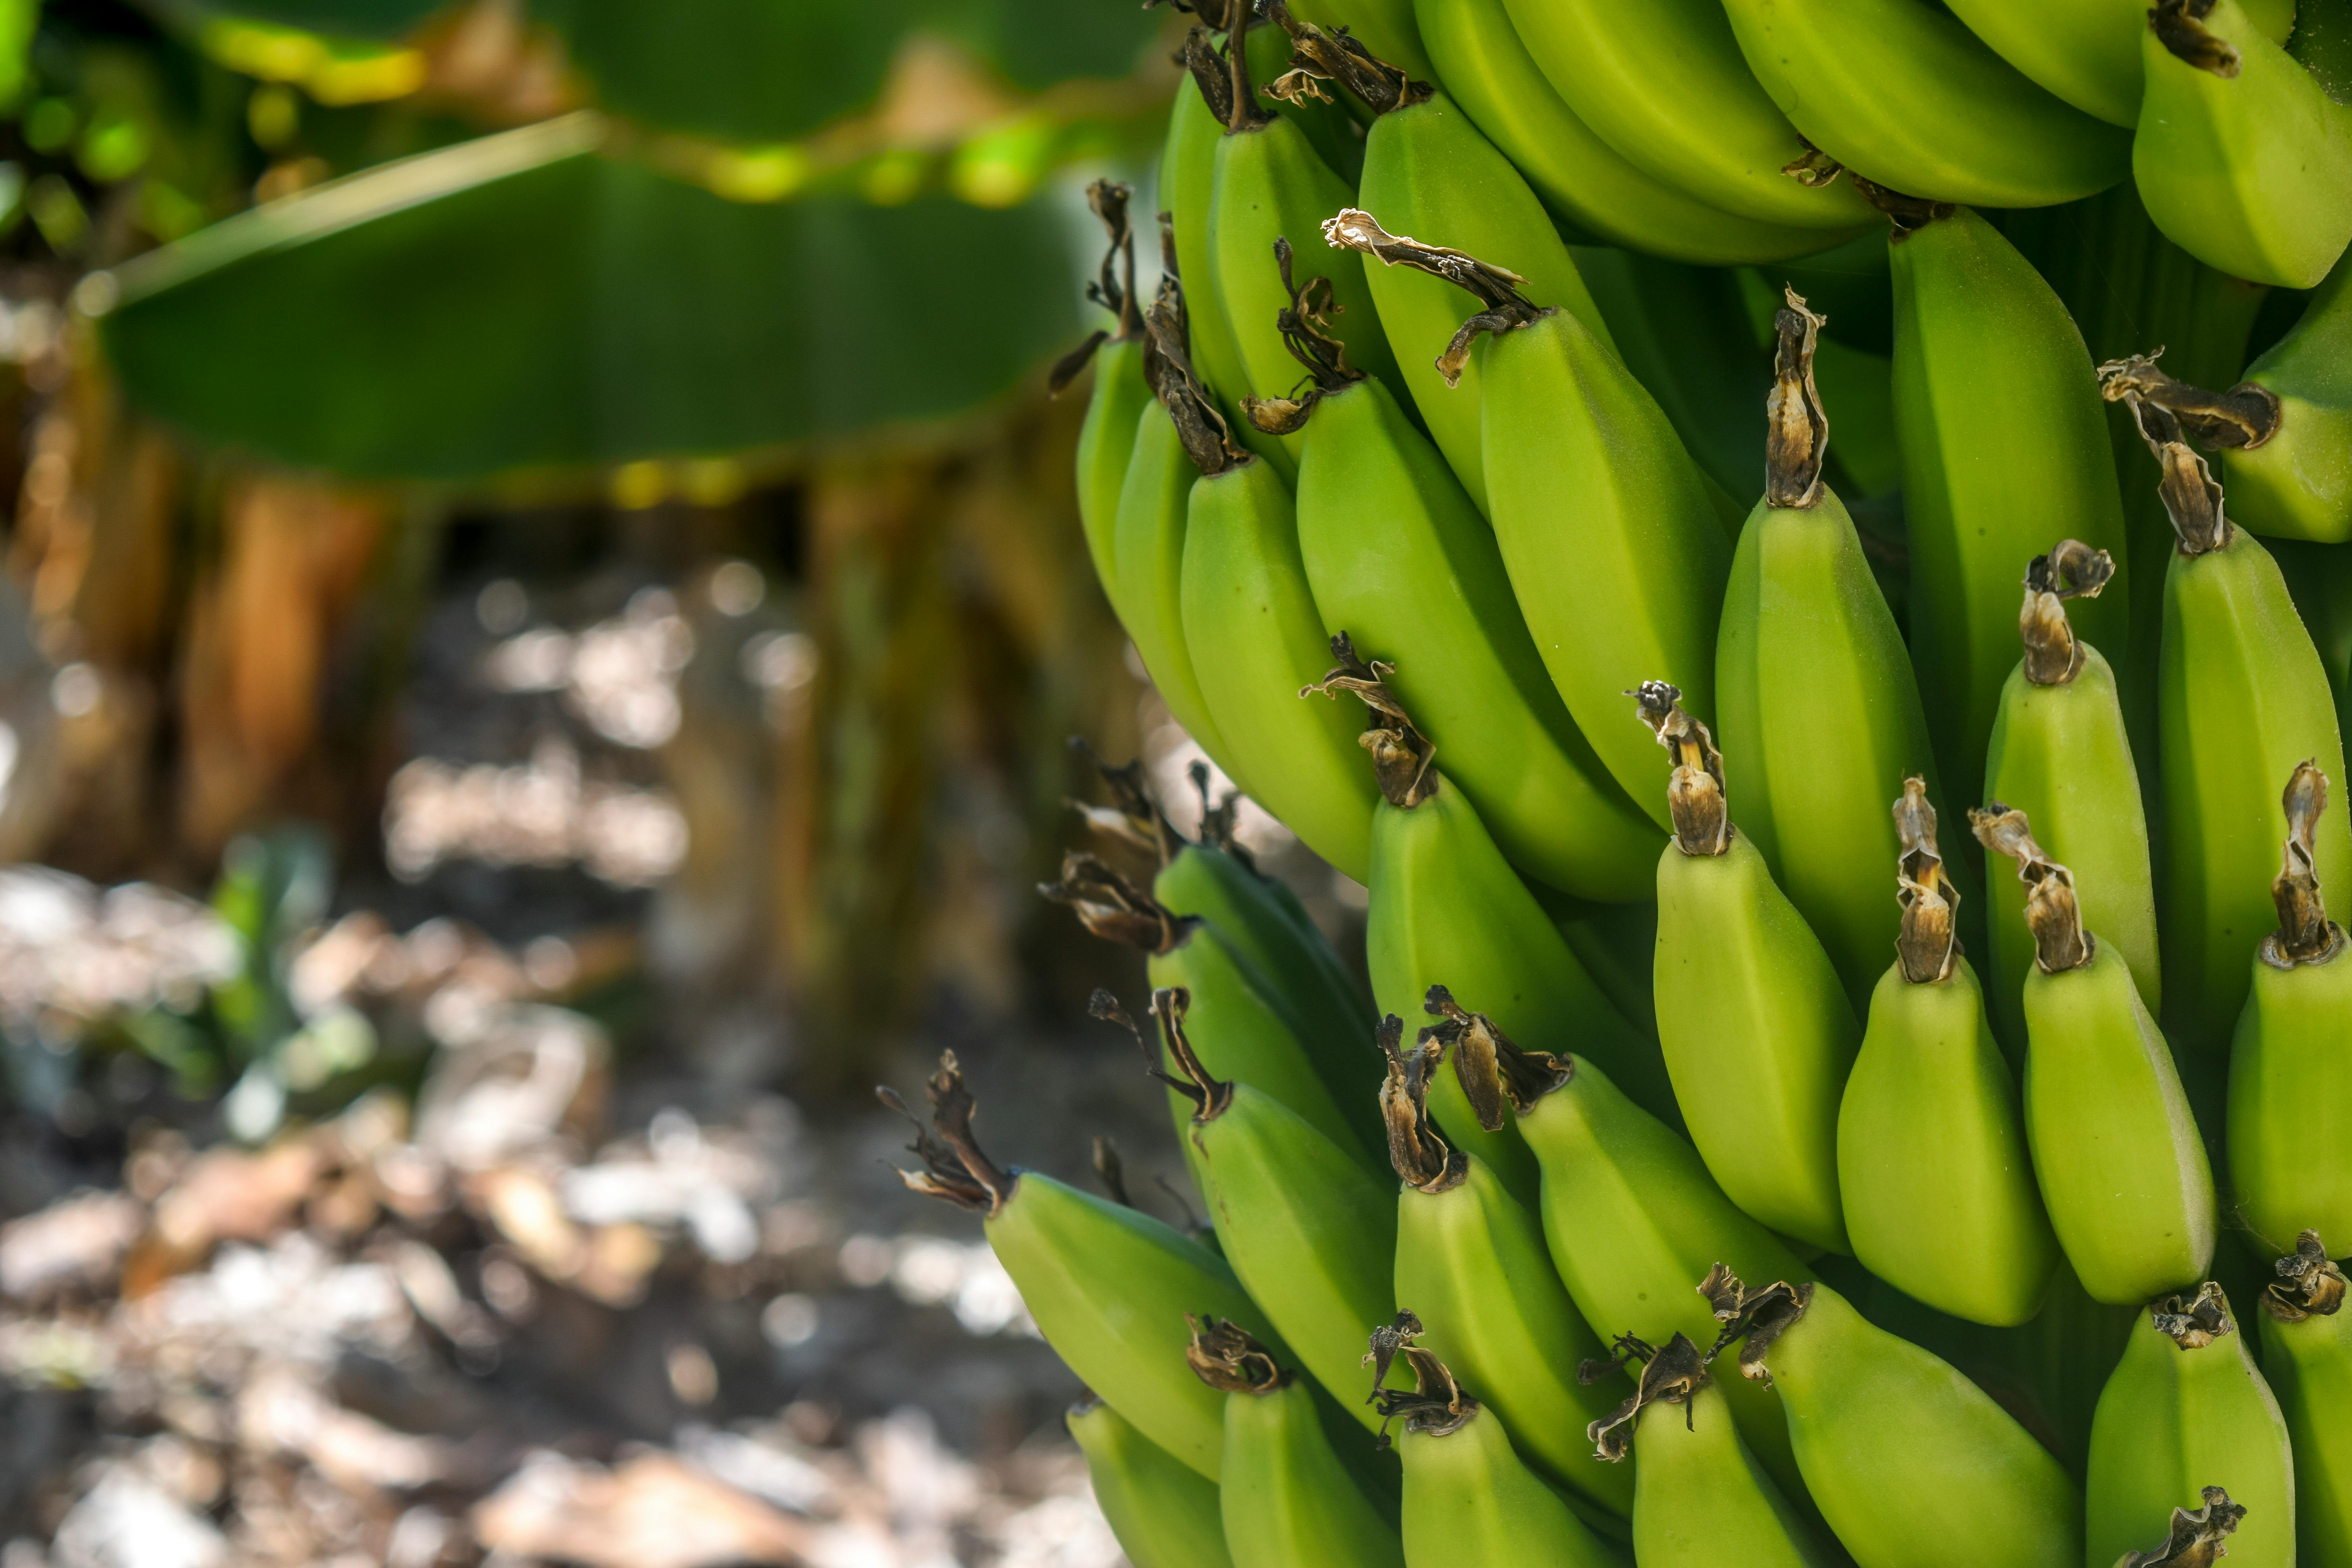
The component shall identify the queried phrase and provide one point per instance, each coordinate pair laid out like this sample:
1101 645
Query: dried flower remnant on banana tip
1114 909
1435 1406
2242 417
2195 1537
1224 1356
1318 57
2305 934
2053 913
2180 26
1796 426
2308 1284
1401 754
954 1167
2192 1322
1423 1160
1133 818
1211 1096
1695 792
1496 288
1672 1374
2053 654
2191 495
1113 287
1168 370
1757 1317
1305 325
1496 1075
1928 946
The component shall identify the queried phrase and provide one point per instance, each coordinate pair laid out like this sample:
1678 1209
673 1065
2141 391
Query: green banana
1905 95
1287 1497
1663 84
2242 697
1448 914
1813 689
1931 1152
1618 946
1107 1285
1398 558
1756 1029
2060 754
2186 1410
2123 1171
1114 408
1469 1500
2319 577
1911 1463
1427 168
2240 157
1163 1512
1566 432
1251 1031
2290 1061
1488 71
2307 1356
1251 627
1187 174
1470 1260
1310 1232
2001 427
1700 1497
2087 51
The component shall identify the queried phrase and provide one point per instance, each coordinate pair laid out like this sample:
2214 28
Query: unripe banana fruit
1931 1149
2187 1409
2307 1358
1107 1285
1164 1512
1115 407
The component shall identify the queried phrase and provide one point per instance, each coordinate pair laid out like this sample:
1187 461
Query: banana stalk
1931 1149
1164 1512
2123 1171
1107 1285
2186 1410
2307 1355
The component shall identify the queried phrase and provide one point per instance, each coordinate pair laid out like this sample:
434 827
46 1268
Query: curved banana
1874 1419
1814 690
1700 1497
2290 1060
1931 1152
1107 1285
1287 1497
1633 584
2307 1357
1116 404
2059 754
1310 1232
1249 1029
1488 71
2087 51
1469 1500
1470 1261
1402 561
2186 1409
1756 1032
1429 172
1188 176
2000 429
1902 94
2123 1171
1663 84
2241 698
2241 157
1163 1512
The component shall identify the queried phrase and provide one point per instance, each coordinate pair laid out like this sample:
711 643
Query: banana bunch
1774 1173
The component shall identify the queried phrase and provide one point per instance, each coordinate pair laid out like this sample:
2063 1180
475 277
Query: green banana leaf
525 301
382 20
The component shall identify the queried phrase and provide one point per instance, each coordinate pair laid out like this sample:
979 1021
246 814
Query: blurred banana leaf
380 19
525 301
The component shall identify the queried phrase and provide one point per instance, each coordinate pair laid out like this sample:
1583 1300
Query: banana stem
1497 288
1695 794
1423 1160
1671 1374
954 1167
2053 913
2194 1322
2309 1285
1401 754
2053 654
1797 428
1928 946
1494 1073
1437 1406
2195 1538
1224 1356
2305 934
1114 909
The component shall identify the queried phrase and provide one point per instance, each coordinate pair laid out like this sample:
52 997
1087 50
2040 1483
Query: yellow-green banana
2059 754
1287 1497
1755 1025
1700 1497
2307 1357
2001 428
1401 561
2087 51
2242 159
1905 95
1163 1512
1632 587
1310 1232
1814 690
2241 698
1116 405
1187 174
1107 1285
1449 917
1469 1500
2123 1171
1470 1261
1428 170
2290 1060
1931 1151
1663 84
2187 1409
1910 1462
